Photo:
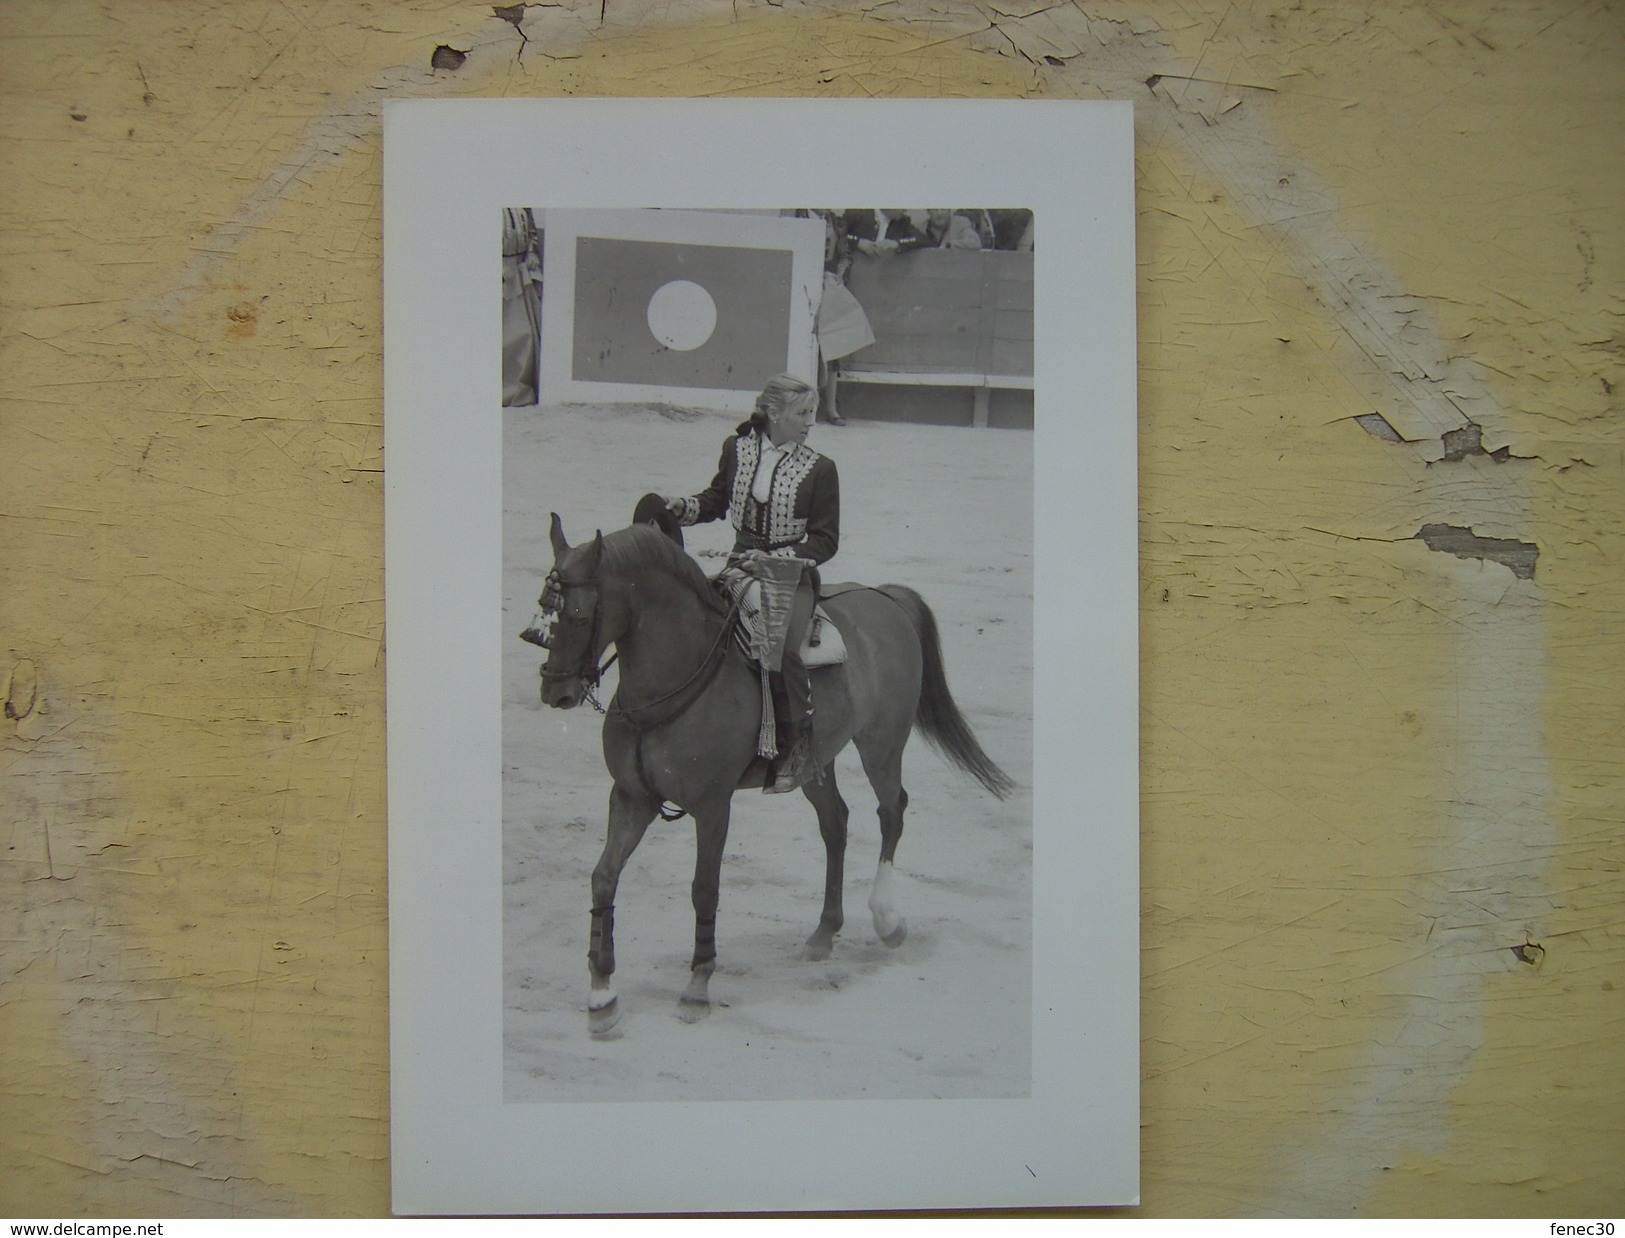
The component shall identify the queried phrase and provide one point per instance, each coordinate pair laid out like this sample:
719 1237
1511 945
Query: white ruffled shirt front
761 486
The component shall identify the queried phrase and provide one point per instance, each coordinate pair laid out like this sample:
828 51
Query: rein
707 668
589 683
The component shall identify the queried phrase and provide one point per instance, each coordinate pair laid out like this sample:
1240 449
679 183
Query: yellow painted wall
1371 769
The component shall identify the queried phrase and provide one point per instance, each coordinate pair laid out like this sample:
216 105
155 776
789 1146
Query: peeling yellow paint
1341 728
1503 221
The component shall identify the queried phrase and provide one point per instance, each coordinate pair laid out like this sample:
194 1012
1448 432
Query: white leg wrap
882 904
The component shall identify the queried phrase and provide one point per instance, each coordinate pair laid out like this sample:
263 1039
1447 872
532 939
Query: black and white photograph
762 740
895 610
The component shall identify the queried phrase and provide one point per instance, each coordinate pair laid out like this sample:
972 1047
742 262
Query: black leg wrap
601 943
705 940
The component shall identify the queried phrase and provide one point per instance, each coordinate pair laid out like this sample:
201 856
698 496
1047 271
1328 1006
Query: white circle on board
682 315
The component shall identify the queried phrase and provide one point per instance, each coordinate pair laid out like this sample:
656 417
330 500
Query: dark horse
683 726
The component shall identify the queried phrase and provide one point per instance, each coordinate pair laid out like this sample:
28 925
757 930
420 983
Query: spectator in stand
841 326
950 230
1012 229
936 228
900 231
982 222
521 305
881 232
862 230
837 244
906 230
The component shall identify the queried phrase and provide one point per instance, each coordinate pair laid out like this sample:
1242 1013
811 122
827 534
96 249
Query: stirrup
795 769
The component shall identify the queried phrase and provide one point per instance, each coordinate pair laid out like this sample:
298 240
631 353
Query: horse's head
572 621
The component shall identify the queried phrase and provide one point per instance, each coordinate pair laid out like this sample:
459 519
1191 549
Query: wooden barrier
949 321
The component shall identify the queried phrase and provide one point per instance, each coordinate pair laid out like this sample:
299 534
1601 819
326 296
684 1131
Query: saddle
763 592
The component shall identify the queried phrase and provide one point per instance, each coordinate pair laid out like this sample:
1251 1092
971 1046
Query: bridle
552 614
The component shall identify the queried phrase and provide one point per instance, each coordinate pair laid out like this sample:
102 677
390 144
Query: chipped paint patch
1452 539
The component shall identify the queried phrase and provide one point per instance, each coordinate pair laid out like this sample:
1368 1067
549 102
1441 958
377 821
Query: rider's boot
796 763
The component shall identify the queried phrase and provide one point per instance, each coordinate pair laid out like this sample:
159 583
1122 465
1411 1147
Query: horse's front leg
711 830
629 816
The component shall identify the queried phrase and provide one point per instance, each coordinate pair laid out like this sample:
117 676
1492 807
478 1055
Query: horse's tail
936 716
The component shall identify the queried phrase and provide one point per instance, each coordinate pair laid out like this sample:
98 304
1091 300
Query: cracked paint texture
1376 776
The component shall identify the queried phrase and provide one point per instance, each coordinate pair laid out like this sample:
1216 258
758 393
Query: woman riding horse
784 500
682 728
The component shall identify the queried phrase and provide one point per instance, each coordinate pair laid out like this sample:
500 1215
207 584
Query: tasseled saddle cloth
764 589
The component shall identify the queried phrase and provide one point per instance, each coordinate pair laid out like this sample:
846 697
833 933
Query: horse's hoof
895 938
820 946
692 1009
602 1021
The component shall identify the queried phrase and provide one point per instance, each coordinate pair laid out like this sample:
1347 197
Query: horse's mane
643 546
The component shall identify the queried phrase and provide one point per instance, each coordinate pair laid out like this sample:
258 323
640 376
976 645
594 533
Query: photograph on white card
730 494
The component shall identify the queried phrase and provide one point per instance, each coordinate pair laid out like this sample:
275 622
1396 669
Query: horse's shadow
770 986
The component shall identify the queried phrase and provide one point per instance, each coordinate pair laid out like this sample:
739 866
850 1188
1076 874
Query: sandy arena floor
948 1014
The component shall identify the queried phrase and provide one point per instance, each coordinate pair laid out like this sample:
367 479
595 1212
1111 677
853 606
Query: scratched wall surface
1381 479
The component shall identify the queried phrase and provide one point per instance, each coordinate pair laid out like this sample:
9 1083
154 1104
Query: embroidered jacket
802 516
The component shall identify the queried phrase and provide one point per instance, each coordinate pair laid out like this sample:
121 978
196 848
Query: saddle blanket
823 645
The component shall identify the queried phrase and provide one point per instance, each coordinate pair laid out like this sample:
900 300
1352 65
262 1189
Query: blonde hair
779 393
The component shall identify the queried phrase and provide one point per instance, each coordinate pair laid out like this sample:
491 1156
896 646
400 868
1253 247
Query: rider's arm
712 502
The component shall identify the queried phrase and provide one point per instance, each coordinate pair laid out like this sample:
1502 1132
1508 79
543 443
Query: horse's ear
560 546
595 556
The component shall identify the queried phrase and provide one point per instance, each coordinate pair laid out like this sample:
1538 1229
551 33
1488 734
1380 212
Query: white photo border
451 166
